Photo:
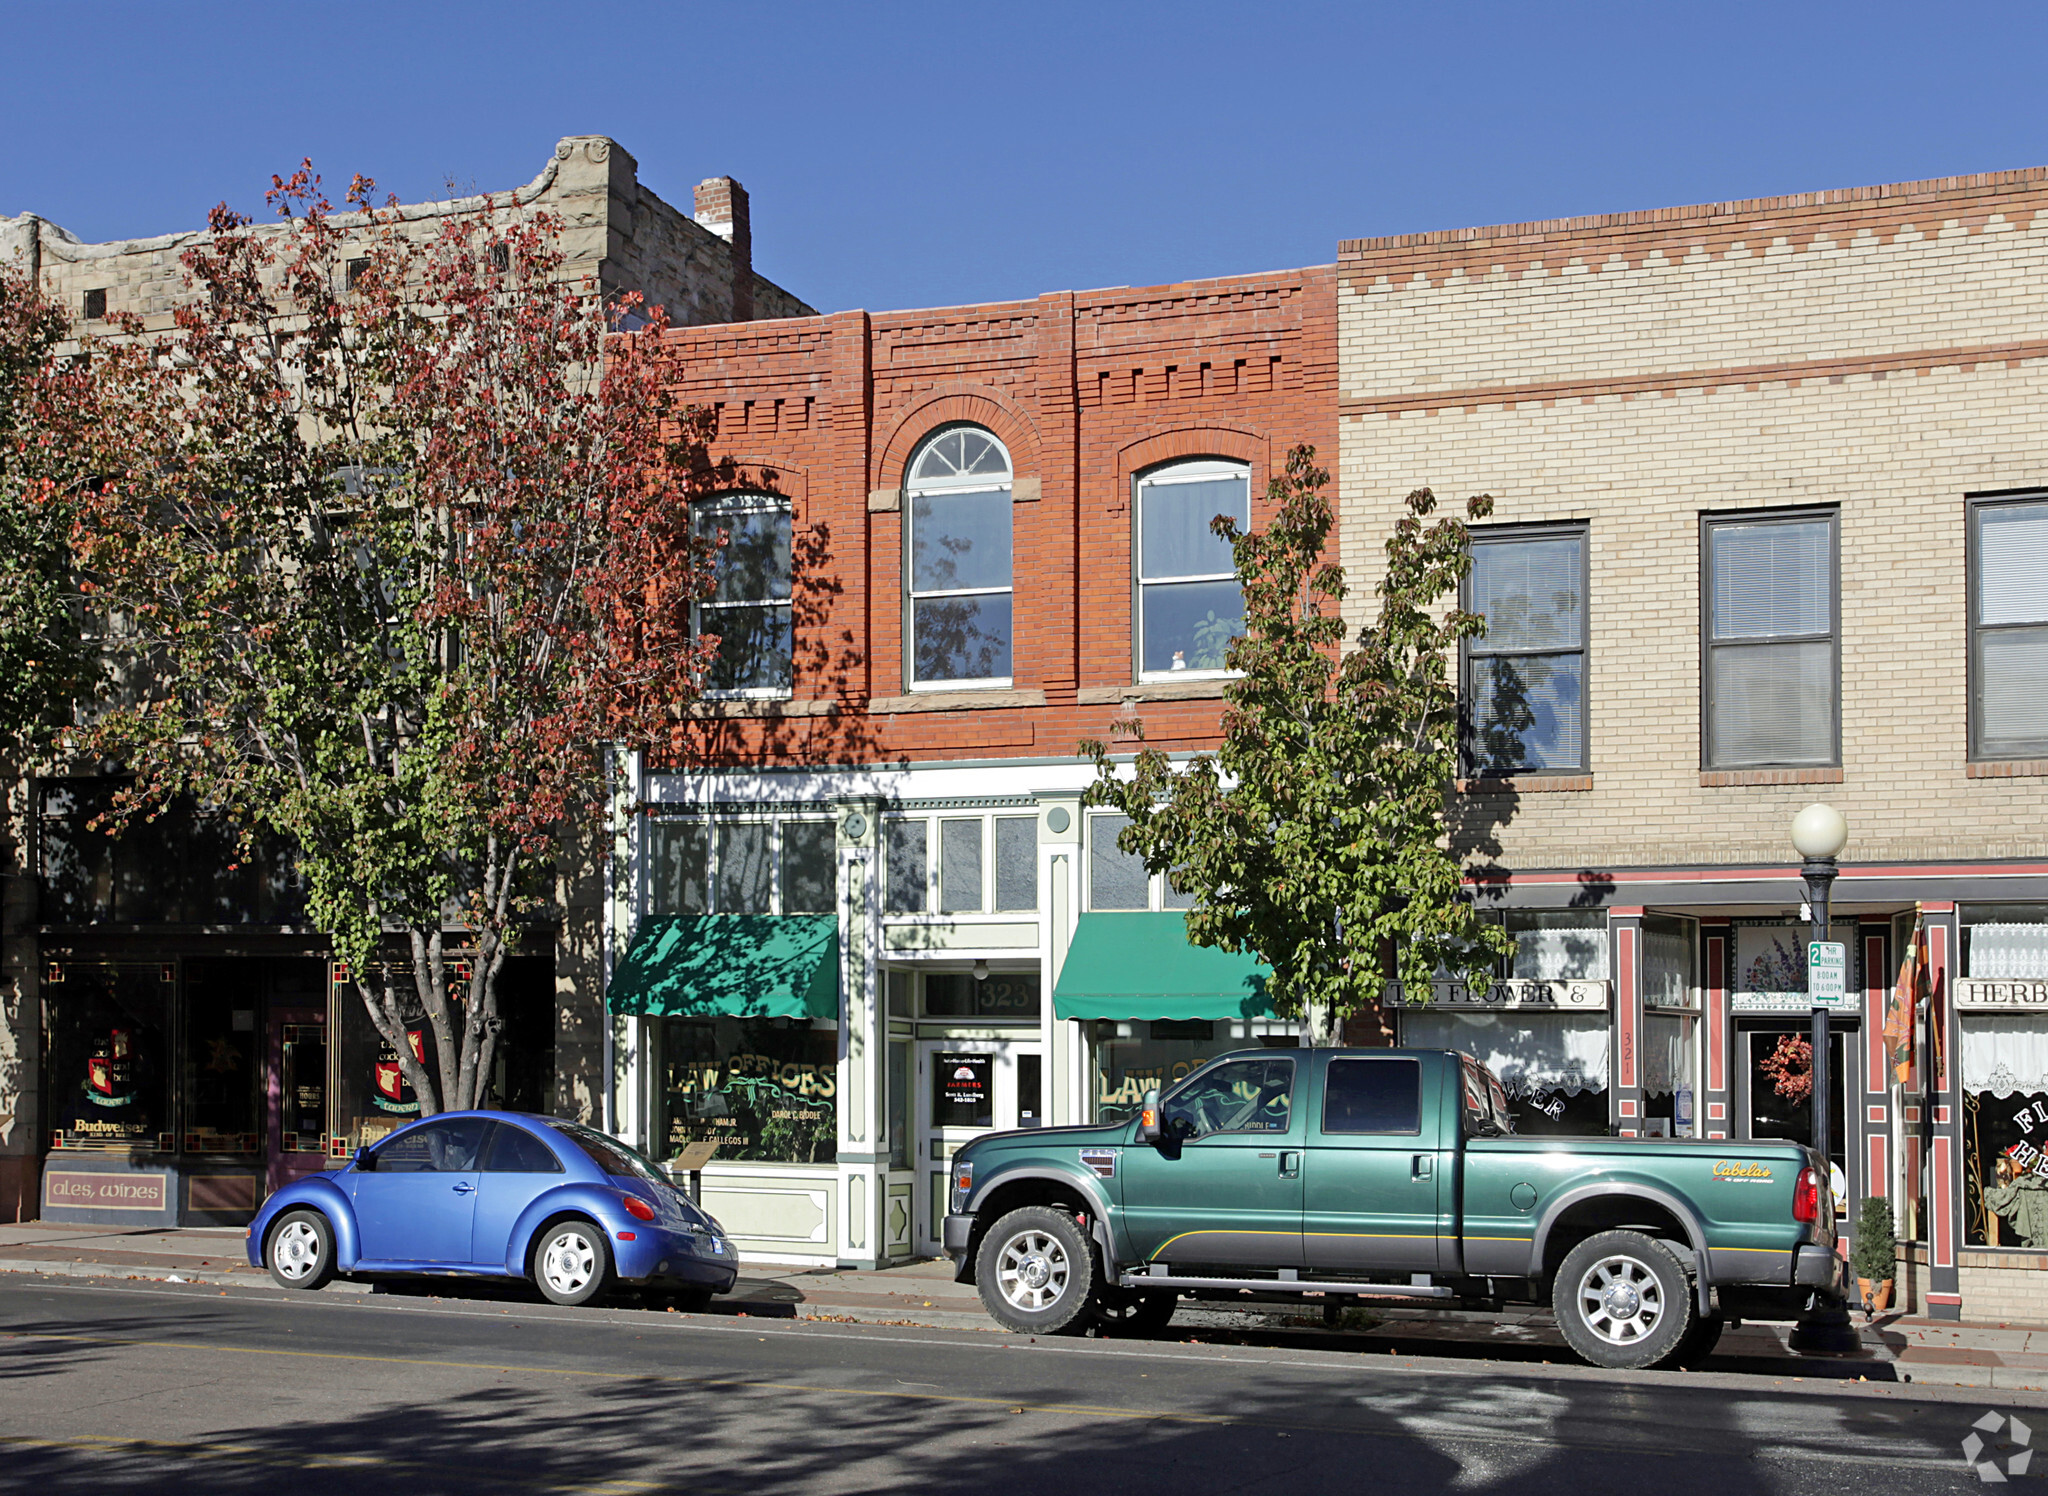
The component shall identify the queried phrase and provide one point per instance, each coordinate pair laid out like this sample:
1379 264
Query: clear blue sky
921 154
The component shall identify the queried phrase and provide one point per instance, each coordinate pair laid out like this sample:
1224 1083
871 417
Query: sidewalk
924 1293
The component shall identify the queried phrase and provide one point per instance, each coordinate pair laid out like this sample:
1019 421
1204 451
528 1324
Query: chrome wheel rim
1033 1271
1621 1300
569 1262
295 1251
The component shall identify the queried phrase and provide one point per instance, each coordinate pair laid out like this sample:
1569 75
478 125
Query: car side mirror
1148 1118
366 1161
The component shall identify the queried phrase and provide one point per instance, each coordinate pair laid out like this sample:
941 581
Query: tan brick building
1772 508
168 1047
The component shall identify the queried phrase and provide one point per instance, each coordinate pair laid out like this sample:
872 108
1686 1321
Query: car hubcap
296 1251
569 1262
1621 1300
1033 1271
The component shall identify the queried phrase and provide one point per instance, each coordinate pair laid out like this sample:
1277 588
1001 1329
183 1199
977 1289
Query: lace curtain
1667 1052
2016 952
1529 1051
2005 1056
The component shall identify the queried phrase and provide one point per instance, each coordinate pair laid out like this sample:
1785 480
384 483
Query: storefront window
2005 1129
1133 1058
1558 945
1670 1055
109 1048
221 1065
899 1104
763 1089
1553 1065
2005 941
372 1096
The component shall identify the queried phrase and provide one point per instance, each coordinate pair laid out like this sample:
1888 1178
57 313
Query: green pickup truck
1371 1174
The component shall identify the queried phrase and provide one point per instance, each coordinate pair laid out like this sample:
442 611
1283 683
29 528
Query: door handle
1290 1165
464 1187
1424 1166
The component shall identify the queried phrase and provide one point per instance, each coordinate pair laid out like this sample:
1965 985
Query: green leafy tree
47 661
396 537
1315 836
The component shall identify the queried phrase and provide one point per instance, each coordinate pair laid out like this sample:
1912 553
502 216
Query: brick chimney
722 208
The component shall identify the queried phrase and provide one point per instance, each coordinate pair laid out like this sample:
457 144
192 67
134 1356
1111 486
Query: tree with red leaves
396 532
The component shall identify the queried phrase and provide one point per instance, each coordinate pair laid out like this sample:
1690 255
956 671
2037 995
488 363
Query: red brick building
959 541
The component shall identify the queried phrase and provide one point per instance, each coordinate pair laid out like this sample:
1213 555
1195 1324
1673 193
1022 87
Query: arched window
748 608
959 563
1189 607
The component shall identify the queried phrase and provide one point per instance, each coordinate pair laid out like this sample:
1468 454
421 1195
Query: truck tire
1134 1311
1035 1272
1623 1300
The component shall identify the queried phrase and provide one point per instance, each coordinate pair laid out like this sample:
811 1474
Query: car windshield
611 1155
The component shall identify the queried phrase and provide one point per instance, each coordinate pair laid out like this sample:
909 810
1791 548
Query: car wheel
1128 1311
572 1264
1035 1272
1623 1300
300 1251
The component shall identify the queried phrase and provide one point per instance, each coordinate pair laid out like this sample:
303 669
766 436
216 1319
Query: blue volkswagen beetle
496 1194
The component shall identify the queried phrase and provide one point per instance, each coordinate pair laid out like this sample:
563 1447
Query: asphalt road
112 1387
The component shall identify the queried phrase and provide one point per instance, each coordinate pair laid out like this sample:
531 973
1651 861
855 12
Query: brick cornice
1748 376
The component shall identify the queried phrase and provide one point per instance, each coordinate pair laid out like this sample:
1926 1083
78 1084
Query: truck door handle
1424 1166
1290 1165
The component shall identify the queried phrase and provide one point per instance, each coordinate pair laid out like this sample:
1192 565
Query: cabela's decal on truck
1761 1173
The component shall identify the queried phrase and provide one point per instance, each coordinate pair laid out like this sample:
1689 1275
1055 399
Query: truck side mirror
1148 1118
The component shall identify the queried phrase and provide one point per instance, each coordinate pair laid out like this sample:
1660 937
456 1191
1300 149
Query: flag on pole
1908 1000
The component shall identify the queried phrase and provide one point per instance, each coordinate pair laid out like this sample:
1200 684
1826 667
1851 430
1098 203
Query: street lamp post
1819 833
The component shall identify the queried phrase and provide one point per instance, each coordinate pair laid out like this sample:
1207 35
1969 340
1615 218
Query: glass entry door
965 1089
1773 1102
296 1095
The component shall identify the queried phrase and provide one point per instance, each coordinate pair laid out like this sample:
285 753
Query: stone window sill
1158 690
764 707
1721 779
1528 784
2011 768
953 701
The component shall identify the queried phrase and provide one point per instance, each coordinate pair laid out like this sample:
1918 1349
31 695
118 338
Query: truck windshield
1485 1102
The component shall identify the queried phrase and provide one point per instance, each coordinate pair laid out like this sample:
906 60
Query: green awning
1140 966
731 965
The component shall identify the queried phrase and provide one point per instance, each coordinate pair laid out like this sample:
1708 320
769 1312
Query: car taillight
1806 1196
638 1208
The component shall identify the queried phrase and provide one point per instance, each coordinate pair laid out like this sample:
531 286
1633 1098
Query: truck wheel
1132 1311
1035 1273
1699 1343
1622 1300
300 1251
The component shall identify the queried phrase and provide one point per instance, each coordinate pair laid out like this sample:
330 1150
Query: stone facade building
1772 512
173 1043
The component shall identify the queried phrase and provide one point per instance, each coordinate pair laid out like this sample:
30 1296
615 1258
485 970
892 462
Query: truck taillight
1806 1196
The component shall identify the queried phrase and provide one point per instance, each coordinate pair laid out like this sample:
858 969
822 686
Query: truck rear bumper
1815 1266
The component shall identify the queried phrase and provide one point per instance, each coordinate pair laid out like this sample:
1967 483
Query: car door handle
1425 1166
464 1187
1290 1165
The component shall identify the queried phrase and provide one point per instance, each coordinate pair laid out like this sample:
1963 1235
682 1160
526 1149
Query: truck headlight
963 1182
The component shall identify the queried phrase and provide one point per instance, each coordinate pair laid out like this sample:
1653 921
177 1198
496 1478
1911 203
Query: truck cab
1355 1174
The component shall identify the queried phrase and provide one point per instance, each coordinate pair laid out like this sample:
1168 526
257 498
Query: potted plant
1873 1254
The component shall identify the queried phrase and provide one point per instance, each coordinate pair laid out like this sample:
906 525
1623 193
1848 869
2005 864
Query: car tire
572 1263
1699 1342
300 1250
1035 1272
1623 1300
1130 1311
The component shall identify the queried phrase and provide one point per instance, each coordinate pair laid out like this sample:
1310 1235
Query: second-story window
959 563
2009 629
749 604
1771 681
1525 680
1189 604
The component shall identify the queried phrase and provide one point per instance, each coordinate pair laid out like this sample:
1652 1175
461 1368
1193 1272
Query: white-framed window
1188 605
1772 668
1117 879
749 604
969 862
958 561
2008 562
1525 680
710 865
